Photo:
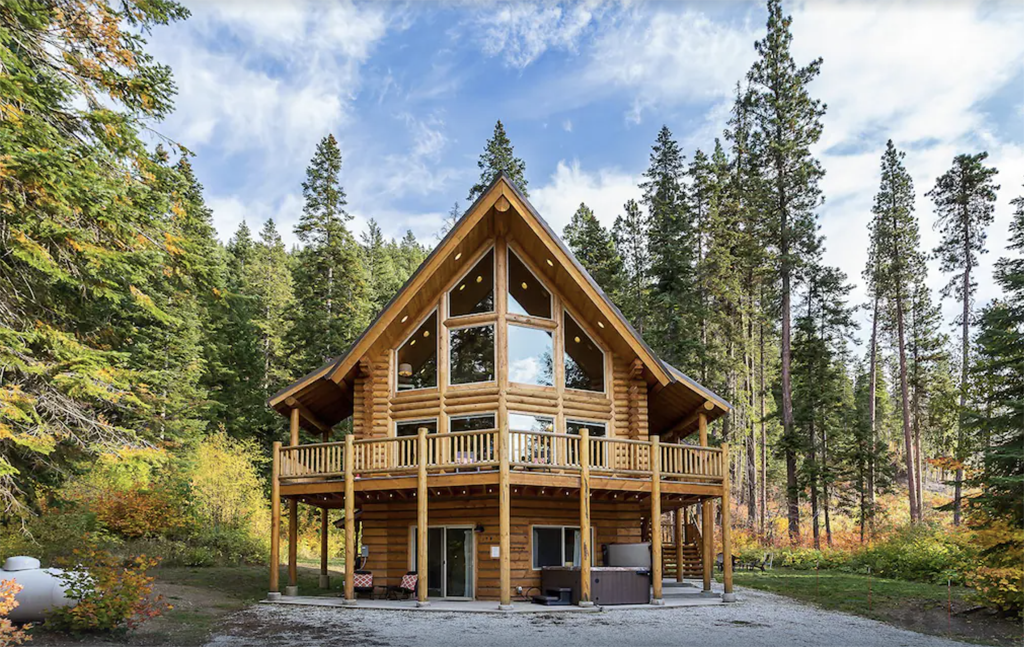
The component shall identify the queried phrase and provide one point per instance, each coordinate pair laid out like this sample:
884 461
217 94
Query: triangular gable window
474 293
526 295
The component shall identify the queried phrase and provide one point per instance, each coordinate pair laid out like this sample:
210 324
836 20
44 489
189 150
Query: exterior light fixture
524 285
576 339
458 256
601 324
405 370
550 264
479 278
405 318
412 343
426 333
462 287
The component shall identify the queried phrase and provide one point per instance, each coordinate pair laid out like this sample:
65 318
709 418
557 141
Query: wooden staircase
691 560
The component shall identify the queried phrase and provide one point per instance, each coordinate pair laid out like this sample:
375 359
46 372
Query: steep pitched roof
325 391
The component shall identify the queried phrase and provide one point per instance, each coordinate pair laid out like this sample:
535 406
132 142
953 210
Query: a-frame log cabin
505 418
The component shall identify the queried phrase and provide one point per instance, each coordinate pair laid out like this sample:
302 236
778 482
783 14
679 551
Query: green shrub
922 553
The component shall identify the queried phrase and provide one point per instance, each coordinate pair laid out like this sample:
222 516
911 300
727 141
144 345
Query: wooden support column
275 521
421 517
656 561
325 579
677 517
707 529
350 521
585 547
504 489
727 595
293 518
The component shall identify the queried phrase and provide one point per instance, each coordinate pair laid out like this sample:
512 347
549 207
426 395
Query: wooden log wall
387 533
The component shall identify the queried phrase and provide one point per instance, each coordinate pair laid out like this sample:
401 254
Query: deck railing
528 450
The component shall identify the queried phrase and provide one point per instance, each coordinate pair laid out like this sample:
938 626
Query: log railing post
275 521
707 530
727 595
585 547
656 562
350 521
677 537
504 512
421 517
293 519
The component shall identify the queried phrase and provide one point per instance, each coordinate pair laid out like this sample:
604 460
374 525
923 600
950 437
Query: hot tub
608 584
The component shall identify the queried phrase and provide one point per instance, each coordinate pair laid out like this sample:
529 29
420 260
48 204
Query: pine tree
674 313
900 268
964 200
383 279
788 123
594 247
408 257
330 278
498 156
631 242
1000 407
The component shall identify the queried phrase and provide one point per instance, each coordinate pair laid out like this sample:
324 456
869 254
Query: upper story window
417 357
526 295
472 423
584 360
530 356
593 428
412 427
474 293
471 358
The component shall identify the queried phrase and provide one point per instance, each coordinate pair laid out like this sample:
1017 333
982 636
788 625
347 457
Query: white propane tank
41 589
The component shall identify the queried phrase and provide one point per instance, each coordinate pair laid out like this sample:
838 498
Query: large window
526 447
584 361
412 427
417 358
526 295
472 423
557 546
474 293
598 451
472 355
530 356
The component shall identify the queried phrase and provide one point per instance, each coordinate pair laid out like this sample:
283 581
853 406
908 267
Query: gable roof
330 382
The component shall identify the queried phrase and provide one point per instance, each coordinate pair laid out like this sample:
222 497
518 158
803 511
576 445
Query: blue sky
412 91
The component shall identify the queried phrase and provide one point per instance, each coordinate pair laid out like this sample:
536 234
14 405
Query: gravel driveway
759 619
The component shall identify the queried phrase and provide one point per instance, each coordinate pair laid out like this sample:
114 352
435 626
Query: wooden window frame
510 249
562 527
470 264
437 355
448 331
607 368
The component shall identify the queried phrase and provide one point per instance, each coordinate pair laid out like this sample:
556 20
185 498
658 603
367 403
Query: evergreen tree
1000 407
595 249
787 121
631 242
674 318
330 281
498 156
964 200
383 278
900 268
408 257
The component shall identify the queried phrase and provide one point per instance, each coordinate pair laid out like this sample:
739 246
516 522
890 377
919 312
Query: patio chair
406 589
363 583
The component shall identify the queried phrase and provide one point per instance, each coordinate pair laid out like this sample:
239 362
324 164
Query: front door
449 561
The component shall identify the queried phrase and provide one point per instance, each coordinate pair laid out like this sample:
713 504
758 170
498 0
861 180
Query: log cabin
506 420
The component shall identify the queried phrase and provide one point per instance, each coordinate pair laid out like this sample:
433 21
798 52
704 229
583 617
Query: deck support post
275 522
585 544
707 525
727 595
325 579
293 518
350 522
421 517
504 513
656 561
677 536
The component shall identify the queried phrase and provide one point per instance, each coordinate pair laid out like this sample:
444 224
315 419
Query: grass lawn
913 605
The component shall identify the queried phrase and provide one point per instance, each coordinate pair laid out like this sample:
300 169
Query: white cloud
567 125
522 32
604 191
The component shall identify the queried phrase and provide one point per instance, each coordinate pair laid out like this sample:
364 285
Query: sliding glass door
449 561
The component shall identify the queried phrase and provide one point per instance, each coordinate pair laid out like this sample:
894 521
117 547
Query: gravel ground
759 619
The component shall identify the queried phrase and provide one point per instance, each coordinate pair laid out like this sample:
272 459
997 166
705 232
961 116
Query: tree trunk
792 491
873 415
764 435
815 531
905 401
964 370
824 486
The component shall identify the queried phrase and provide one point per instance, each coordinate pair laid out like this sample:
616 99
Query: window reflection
412 427
530 353
472 355
474 293
472 423
584 361
417 358
526 295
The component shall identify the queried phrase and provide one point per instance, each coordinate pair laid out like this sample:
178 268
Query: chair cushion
362 580
409 581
